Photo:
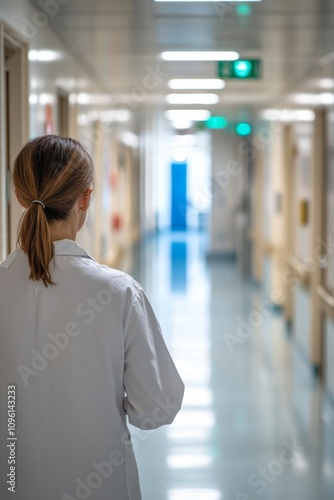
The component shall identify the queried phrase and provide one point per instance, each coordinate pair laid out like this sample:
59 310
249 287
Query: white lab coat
82 355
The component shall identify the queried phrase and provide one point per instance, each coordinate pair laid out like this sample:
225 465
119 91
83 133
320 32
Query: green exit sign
242 68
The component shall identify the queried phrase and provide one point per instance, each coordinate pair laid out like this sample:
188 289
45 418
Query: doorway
326 288
63 113
14 109
179 196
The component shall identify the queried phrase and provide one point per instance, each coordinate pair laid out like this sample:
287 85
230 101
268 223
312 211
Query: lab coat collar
12 256
70 247
62 247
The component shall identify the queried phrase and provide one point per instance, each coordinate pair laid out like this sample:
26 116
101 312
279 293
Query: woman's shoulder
73 262
116 280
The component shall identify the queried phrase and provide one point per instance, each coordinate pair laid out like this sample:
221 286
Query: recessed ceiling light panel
192 98
201 55
220 1
188 114
196 84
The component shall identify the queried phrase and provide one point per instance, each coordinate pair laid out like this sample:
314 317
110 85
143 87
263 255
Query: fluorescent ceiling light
110 115
288 115
326 83
196 83
188 114
325 98
84 98
199 56
43 55
192 98
180 124
230 1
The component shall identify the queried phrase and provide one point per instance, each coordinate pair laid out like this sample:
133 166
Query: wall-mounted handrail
271 248
302 272
326 296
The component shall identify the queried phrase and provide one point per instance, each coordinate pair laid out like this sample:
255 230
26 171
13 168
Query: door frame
318 224
11 40
63 112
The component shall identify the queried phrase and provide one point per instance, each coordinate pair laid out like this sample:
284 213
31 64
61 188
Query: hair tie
40 203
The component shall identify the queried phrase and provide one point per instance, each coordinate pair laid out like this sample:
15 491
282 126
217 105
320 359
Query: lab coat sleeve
154 389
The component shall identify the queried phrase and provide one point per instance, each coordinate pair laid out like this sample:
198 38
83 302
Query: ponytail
35 240
49 175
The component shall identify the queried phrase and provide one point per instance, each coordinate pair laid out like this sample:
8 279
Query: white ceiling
119 39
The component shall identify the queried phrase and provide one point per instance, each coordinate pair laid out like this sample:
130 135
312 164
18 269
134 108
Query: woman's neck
60 230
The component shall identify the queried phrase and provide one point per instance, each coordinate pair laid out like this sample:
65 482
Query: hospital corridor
255 422
167 250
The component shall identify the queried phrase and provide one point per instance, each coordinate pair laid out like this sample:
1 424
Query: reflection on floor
255 422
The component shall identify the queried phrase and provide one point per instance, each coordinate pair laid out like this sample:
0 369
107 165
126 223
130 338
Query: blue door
179 196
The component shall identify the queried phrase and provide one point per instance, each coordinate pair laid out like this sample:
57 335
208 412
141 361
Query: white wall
303 186
163 177
66 74
45 77
199 197
227 170
273 221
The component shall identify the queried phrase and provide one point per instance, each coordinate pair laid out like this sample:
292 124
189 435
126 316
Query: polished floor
255 423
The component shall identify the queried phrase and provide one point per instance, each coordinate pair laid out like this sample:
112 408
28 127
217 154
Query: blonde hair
55 170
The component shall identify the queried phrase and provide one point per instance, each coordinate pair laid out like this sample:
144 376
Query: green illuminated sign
243 9
241 69
216 122
243 128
